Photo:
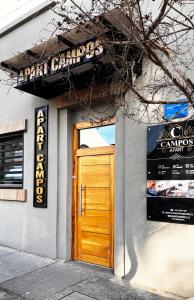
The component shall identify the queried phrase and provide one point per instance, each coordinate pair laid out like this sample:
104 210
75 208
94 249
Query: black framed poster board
170 173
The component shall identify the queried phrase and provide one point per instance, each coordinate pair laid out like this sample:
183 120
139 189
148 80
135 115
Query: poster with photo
170 173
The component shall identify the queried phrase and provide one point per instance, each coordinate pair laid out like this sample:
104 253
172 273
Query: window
97 136
11 161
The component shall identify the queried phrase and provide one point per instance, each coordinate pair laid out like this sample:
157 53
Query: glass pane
11 161
97 137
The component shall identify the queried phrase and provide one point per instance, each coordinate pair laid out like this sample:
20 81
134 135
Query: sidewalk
27 276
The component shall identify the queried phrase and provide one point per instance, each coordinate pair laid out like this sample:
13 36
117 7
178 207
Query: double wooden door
93 241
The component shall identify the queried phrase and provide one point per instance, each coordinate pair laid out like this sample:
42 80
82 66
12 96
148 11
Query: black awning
63 81
74 59
64 41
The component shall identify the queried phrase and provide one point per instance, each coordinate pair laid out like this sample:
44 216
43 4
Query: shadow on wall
131 262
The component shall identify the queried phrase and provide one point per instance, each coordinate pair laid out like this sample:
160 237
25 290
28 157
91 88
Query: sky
11 9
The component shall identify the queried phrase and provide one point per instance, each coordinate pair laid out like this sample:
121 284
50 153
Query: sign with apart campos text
170 173
41 157
66 59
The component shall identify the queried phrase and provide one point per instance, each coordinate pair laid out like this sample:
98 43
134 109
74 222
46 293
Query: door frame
77 153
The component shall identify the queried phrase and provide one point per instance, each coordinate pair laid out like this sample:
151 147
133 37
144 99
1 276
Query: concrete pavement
27 276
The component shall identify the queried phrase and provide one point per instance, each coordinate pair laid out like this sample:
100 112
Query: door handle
81 199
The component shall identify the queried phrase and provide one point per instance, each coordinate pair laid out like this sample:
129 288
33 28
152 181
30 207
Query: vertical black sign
170 173
41 157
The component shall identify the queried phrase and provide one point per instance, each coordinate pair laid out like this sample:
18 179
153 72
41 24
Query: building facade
84 196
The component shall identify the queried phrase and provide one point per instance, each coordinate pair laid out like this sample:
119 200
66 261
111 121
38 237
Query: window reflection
11 161
97 137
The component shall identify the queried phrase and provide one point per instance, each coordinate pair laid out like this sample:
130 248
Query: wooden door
94 213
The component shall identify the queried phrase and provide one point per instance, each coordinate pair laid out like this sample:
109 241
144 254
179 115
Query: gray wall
22 226
158 256
64 213
36 30
151 255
